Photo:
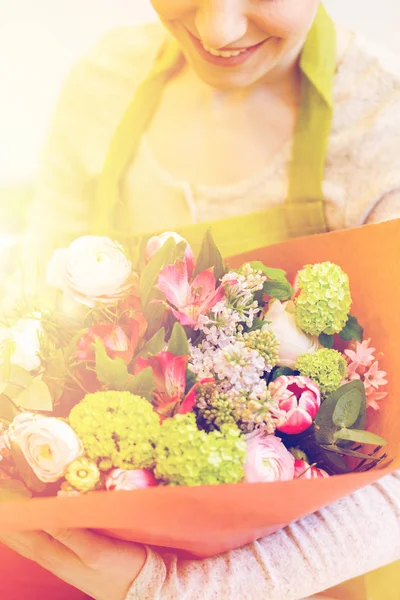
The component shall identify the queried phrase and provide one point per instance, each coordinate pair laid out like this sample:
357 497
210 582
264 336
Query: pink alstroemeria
169 373
189 300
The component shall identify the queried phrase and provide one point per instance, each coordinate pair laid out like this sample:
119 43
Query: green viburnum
324 301
117 429
326 367
244 409
186 455
83 475
266 344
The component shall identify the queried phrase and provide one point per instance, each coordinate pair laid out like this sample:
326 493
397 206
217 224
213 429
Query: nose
221 23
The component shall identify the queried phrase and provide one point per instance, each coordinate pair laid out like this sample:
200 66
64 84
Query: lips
227 57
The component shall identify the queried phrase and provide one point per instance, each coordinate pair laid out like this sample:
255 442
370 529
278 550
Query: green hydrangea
117 429
266 343
186 455
324 302
326 367
235 407
83 474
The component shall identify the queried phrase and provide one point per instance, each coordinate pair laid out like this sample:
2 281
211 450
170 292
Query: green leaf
360 436
282 290
168 254
280 371
352 330
178 342
326 340
13 489
19 379
36 397
56 374
112 372
352 453
142 384
257 324
8 410
24 470
154 313
8 349
325 428
349 404
191 380
271 273
209 257
154 345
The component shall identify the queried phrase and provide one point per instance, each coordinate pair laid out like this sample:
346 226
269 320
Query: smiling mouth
228 53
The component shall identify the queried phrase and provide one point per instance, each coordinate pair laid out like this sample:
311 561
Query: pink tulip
267 459
299 400
189 300
119 480
156 242
302 470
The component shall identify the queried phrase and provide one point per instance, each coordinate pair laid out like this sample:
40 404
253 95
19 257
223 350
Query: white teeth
223 53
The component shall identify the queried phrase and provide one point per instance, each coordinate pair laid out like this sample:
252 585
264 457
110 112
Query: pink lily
189 301
169 373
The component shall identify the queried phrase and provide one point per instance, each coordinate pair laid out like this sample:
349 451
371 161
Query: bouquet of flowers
175 371
184 372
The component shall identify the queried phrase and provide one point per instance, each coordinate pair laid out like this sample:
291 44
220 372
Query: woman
265 119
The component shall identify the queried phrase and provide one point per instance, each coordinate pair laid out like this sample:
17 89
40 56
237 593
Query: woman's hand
100 567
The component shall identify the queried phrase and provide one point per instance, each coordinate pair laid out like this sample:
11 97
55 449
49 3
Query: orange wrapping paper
209 520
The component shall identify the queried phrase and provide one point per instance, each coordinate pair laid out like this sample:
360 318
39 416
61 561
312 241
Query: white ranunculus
94 269
25 335
293 342
48 444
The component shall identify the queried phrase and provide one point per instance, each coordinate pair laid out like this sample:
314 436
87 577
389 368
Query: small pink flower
299 400
374 397
363 366
360 357
302 470
189 300
375 378
156 242
119 480
267 459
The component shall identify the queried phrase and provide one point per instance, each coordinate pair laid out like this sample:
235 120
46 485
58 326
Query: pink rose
267 459
299 400
119 480
302 470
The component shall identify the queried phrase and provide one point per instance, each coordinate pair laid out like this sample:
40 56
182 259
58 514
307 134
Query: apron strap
318 64
126 139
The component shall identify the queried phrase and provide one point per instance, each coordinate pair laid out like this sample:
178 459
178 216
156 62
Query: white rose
48 444
293 342
94 269
25 335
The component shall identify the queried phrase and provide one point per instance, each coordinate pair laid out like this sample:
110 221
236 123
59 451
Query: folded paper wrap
205 521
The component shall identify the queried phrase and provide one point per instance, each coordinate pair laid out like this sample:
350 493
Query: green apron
302 213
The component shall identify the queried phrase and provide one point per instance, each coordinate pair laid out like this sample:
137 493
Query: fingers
40 548
89 547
